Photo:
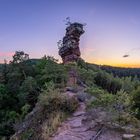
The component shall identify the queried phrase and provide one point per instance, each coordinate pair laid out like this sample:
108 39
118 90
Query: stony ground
81 125
77 128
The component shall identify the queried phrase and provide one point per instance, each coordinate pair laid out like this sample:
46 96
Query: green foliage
54 107
51 125
56 101
117 106
6 128
86 76
48 87
108 82
12 116
122 98
122 72
48 70
82 64
27 134
136 99
95 91
20 86
105 100
2 89
24 110
128 84
28 91
19 57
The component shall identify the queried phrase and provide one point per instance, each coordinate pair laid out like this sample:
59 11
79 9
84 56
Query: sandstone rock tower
69 46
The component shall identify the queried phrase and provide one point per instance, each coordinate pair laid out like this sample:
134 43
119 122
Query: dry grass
58 106
51 125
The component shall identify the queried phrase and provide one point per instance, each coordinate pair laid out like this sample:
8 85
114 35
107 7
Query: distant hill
122 72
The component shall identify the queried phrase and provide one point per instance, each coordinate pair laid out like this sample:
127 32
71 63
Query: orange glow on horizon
115 62
123 65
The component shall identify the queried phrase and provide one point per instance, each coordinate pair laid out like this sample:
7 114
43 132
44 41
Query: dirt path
76 127
73 128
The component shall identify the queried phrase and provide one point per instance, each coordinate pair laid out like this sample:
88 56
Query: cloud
126 55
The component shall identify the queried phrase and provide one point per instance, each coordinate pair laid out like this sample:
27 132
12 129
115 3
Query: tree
28 91
108 82
128 84
4 72
19 57
49 70
136 99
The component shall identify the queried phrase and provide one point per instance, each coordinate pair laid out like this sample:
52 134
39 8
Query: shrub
24 110
105 100
95 91
136 99
56 101
86 76
51 125
27 134
56 106
108 82
117 106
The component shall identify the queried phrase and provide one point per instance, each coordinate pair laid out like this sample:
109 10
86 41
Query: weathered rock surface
73 128
78 127
69 49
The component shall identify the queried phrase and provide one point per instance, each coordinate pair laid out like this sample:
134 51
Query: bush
28 92
86 76
105 100
95 91
56 106
108 82
117 106
51 125
136 99
56 101
27 134
49 70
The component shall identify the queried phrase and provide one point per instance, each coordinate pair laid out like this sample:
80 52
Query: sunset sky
35 26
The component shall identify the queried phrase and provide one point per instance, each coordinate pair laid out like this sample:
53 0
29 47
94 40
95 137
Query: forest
122 72
23 82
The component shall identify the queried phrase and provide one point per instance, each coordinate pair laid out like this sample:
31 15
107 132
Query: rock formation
69 47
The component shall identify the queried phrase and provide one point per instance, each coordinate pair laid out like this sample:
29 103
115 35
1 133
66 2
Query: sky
112 33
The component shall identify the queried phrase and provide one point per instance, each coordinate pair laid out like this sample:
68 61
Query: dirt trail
76 127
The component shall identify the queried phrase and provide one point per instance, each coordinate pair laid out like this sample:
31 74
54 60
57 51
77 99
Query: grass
59 106
51 125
